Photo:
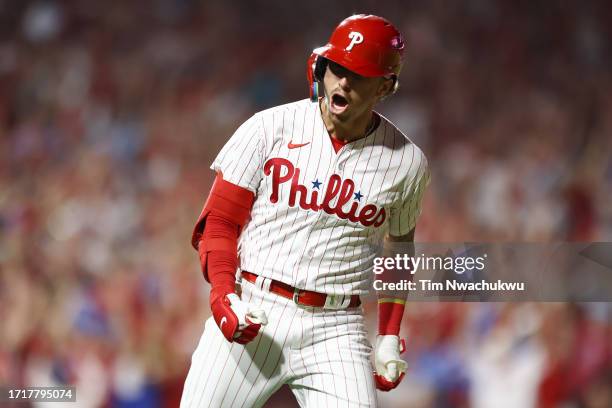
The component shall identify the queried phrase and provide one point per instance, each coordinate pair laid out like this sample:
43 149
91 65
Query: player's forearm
223 261
391 304
215 235
390 314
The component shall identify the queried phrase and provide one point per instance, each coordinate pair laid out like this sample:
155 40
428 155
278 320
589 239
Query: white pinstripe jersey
319 217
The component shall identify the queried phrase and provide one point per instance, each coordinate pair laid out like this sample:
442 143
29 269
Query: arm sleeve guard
229 201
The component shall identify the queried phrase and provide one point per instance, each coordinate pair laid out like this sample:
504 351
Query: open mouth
338 103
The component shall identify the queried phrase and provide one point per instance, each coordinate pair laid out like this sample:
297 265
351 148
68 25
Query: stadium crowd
111 113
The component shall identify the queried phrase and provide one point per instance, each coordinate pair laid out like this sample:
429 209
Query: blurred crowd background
111 113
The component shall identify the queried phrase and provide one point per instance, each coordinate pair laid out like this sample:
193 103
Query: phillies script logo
283 171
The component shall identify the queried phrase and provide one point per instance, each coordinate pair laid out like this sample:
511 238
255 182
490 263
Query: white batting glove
247 313
389 364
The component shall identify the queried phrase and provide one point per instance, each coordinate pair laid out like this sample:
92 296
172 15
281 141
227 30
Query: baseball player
305 193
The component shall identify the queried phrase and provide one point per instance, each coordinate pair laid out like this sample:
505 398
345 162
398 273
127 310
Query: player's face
349 95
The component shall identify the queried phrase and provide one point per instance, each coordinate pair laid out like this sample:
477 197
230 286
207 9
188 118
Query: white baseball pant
322 355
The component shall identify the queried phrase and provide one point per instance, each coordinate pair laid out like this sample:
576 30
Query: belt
303 297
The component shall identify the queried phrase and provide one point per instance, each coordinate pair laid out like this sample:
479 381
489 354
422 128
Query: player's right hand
238 321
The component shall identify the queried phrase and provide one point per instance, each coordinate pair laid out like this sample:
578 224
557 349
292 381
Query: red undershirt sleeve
222 263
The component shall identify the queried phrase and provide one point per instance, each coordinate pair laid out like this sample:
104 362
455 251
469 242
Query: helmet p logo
356 38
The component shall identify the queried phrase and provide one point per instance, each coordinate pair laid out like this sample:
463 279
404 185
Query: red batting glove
385 385
238 321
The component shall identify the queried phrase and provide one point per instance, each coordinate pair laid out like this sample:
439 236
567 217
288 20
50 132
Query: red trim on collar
337 143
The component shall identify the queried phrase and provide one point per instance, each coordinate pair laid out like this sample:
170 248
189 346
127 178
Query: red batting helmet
365 44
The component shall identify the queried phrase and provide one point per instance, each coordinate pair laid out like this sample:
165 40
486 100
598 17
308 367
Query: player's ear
385 88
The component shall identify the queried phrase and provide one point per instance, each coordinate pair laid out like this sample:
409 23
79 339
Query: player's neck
348 131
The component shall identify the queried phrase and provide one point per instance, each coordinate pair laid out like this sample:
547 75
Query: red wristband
390 313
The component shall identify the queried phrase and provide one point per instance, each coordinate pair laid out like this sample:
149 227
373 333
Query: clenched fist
238 321
390 368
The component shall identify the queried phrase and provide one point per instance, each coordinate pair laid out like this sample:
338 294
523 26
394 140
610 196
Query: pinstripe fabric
316 250
285 156
332 367
323 355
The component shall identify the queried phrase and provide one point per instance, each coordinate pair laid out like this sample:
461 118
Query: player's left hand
390 368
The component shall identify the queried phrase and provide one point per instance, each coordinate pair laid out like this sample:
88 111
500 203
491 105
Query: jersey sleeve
405 212
241 159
